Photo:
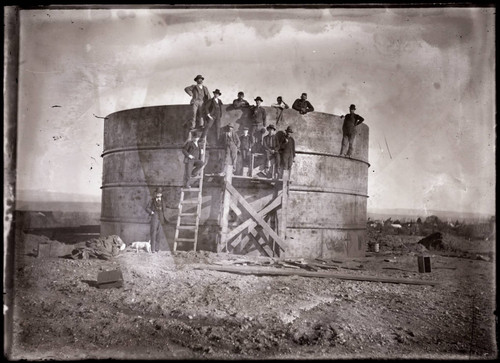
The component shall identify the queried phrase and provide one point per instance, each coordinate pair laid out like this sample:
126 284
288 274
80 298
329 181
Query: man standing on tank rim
351 120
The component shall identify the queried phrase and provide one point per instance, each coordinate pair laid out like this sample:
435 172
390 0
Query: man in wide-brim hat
213 112
270 145
199 95
286 148
258 127
245 147
231 143
155 209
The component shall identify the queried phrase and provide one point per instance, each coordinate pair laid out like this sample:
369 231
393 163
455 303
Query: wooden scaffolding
264 230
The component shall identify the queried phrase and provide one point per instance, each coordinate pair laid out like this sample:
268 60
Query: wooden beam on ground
256 216
265 271
250 223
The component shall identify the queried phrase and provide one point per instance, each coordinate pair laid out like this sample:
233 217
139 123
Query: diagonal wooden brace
256 216
250 223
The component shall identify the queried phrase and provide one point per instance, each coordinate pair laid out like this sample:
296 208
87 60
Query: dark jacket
190 148
303 106
351 121
240 103
156 207
286 145
197 95
214 108
232 139
270 143
245 142
258 115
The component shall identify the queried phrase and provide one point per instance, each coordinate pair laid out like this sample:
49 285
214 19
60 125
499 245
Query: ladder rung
187 224
189 201
184 240
190 189
188 214
193 227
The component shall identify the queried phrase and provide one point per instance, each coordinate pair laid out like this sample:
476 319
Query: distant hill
405 214
33 200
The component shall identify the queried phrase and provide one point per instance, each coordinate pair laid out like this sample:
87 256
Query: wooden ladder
190 227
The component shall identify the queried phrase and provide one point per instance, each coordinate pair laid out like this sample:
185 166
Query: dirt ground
172 308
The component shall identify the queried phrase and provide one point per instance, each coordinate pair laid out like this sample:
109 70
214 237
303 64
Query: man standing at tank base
199 95
155 210
351 120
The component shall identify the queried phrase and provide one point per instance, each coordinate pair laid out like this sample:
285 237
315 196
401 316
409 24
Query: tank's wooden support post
284 205
226 201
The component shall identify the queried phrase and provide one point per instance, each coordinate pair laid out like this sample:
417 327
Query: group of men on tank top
277 147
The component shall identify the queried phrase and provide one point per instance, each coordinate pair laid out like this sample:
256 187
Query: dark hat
258 99
230 125
289 130
158 191
241 93
304 94
217 91
196 133
279 98
352 107
271 126
198 76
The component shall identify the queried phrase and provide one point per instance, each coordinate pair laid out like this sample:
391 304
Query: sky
423 79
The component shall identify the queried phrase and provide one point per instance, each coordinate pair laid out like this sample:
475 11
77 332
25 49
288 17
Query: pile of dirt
168 309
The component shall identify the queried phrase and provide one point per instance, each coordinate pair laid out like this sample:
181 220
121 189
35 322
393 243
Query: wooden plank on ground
266 271
352 268
324 266
284 264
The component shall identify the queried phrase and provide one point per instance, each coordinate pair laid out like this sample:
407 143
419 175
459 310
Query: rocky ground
170 307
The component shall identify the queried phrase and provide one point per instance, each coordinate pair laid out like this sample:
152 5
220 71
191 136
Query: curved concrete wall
328 193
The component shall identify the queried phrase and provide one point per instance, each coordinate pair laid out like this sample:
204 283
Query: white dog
138 245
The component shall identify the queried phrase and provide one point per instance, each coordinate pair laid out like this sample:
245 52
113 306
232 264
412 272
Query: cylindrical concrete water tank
327 198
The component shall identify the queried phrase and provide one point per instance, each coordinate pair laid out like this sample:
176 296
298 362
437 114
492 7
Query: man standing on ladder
155 209
193 158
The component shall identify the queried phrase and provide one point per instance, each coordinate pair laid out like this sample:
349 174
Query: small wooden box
424 264
43 250
109 279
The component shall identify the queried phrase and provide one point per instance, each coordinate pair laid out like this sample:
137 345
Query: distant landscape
68 202
409 214
32 200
